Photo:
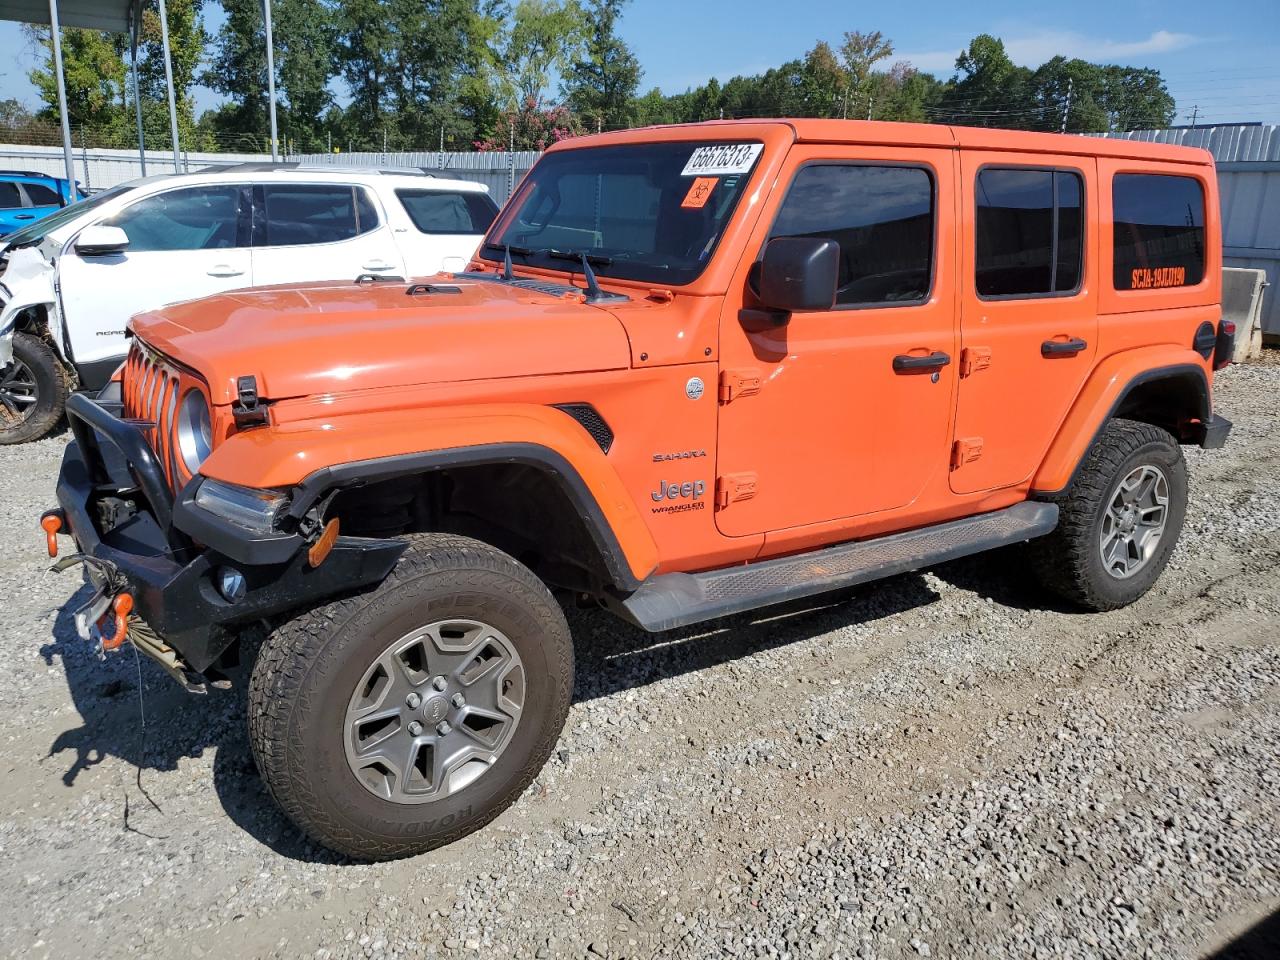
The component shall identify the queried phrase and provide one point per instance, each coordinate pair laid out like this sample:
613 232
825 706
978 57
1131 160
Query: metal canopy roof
113 15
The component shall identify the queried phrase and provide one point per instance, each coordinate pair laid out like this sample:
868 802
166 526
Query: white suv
70 283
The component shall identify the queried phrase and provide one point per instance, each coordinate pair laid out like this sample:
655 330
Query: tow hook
52 522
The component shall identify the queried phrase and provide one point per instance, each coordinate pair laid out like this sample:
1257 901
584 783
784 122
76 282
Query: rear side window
442 211
302 214
41 196
882 217
1159 231
194 218
9 196
1029 229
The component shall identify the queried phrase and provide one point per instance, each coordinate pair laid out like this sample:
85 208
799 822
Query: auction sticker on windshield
722 159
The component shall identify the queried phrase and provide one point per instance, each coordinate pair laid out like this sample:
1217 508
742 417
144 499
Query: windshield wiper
504 247
580 256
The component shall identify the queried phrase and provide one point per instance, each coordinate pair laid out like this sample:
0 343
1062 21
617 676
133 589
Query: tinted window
42 196
1030 232
651 212
294 214
194 218
1159 231
439 211
882 217
9 196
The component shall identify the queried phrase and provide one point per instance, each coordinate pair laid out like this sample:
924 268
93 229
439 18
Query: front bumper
170 573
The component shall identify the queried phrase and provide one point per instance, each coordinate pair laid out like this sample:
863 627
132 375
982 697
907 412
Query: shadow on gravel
179 725
1259 942
1003 577
612 657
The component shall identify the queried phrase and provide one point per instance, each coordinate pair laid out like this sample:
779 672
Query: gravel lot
940 765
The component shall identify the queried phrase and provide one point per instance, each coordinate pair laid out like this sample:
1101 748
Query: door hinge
973 359
734 486
965 451
738 383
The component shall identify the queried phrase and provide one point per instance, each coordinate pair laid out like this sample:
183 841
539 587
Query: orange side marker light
320 549
123 606
52 523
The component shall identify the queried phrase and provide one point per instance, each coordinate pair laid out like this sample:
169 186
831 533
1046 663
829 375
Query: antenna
506 263
593 288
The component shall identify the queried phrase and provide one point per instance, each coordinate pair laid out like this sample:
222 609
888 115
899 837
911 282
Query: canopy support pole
271 81
135 18
168 82
56 33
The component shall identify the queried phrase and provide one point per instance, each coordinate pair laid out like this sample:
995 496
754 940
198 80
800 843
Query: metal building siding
1248 160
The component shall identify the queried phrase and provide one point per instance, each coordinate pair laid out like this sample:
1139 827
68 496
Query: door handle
24 216
1062 348
225 270
377 265
906 363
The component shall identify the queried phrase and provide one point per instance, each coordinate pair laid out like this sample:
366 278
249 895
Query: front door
1029 324
183 244
844 412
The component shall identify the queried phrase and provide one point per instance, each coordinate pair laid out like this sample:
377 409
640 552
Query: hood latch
247 409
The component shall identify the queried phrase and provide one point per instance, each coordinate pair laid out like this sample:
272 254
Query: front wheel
399 720
1119 520
33 390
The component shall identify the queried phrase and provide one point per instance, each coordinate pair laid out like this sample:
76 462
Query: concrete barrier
1242 289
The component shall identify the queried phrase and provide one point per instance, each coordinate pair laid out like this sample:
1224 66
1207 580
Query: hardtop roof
888 133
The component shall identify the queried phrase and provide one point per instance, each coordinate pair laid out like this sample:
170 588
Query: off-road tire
1068 561
307 670
51 391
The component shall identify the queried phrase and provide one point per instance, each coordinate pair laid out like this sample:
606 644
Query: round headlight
195 431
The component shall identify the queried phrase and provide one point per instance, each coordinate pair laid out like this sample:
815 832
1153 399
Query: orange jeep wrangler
692 371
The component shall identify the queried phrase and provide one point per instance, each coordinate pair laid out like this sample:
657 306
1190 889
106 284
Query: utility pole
1066 107
870 103
1195 113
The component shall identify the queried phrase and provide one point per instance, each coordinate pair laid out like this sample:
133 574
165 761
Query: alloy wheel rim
1133 522
434 711
17 392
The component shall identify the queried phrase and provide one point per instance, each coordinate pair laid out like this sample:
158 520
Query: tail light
1225 347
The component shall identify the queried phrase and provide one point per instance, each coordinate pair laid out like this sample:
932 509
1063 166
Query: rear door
839 413
303 232
42 198
447 226
1029 324
184 243
13 208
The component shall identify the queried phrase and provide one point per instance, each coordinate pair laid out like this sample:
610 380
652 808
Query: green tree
859 53
187 39
600 84
990 89
543 39
94 74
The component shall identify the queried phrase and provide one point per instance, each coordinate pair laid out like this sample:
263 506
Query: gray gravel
942 765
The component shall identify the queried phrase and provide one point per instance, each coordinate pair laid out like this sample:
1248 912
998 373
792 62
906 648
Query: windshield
41 228
651 212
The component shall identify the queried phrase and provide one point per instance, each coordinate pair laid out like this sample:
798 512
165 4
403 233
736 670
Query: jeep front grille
150 390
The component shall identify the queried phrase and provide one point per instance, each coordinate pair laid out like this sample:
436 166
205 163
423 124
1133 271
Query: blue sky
1223 57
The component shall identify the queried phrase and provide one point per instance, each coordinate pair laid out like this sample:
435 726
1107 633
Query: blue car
26 197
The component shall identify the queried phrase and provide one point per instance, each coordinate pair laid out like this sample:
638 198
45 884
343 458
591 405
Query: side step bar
679 599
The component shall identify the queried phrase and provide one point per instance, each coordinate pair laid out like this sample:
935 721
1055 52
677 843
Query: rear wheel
404 718
1120 520
33 390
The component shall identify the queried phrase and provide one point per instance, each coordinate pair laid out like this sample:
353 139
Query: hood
325 338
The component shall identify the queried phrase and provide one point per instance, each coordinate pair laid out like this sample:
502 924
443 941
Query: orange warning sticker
699 193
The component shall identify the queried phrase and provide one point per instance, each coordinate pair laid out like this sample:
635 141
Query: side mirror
101 241
799 273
